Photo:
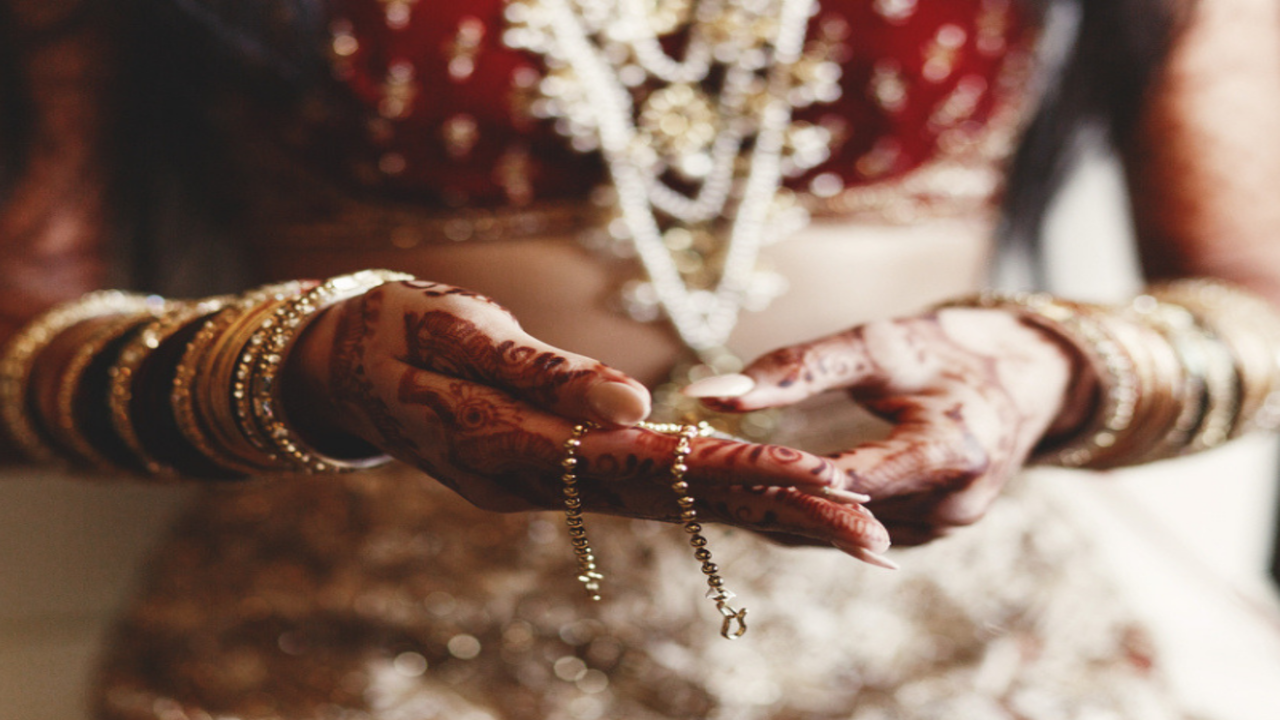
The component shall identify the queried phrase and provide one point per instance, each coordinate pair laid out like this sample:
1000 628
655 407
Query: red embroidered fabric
446 117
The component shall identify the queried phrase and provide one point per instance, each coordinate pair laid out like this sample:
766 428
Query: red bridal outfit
382 596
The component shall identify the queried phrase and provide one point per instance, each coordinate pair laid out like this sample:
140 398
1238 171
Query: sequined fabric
385 597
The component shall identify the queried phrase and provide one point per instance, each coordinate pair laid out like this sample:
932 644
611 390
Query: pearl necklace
596 51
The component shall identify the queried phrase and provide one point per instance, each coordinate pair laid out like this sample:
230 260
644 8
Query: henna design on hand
349 381
446 384
968 396
445 343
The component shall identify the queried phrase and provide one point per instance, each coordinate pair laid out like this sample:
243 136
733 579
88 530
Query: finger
843 360
479 342
784 511
486 445
640 453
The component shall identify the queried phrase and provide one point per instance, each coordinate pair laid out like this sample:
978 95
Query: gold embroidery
464 48
895 11
398 91
398 12
942 53
460 135
888 88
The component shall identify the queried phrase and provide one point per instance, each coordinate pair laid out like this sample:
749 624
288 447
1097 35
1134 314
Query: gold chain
734 623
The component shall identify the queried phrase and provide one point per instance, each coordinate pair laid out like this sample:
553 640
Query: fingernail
866 555
618 403
845 497
721 386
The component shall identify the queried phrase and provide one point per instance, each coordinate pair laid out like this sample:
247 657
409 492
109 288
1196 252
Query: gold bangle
66 425
1163 384
183 397
1250 327
133 355
20 354
258 385
1210 404
214 391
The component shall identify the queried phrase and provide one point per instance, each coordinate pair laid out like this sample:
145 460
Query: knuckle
961 510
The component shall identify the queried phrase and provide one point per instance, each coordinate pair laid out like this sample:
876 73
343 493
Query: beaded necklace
718 120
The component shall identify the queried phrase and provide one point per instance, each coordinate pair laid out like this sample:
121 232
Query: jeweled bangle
129 365
78 423
1115 370
1180 331
1163 386
20 354
1209 416
183 398
268 351
1250 327
215 392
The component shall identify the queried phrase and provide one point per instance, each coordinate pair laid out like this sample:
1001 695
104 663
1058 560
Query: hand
447 381
969 393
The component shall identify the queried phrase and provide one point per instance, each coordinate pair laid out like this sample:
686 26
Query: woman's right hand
446 380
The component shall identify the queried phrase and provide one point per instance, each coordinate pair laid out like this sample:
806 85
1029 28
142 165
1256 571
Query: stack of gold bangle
1182 368
131 366
20 356
1249 327
172 387
256 390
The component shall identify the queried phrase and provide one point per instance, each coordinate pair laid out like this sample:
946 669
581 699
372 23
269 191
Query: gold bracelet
214 390
257 386
1210 403
588 573
183 397
1162 390
20 354
733 621
1250 327
133 356
66 423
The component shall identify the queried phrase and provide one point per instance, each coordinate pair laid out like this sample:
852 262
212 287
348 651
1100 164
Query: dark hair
1114 51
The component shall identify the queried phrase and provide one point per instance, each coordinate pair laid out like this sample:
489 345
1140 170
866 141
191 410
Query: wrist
308 396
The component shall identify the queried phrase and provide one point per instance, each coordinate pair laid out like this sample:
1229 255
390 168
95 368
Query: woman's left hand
969 393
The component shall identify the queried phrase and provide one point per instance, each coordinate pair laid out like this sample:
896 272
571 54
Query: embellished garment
385 597
431 104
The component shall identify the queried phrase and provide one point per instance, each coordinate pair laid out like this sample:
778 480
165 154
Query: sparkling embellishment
942 53
888 86
398 12
895 11
398 91
596 51
464 48
460 135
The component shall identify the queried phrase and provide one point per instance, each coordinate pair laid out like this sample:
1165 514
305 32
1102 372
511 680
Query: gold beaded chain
588 574
734 625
